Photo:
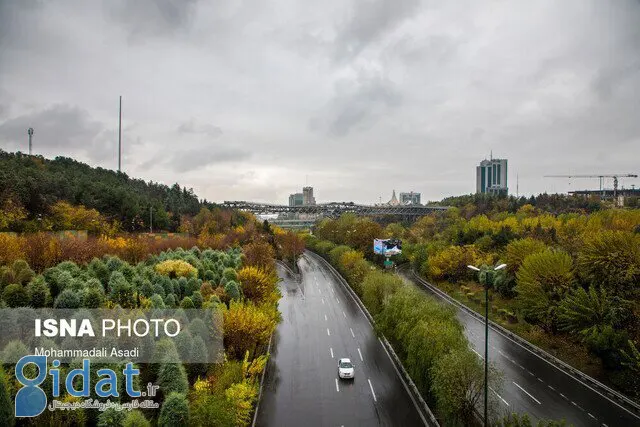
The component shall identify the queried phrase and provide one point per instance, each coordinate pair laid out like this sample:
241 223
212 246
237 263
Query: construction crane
601 177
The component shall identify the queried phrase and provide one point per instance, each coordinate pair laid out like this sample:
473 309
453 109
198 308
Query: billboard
387 247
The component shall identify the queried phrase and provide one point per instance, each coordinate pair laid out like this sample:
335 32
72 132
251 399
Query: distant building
307 196
410 198
491 177
394 200
296 199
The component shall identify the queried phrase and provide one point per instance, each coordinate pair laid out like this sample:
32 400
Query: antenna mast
120 136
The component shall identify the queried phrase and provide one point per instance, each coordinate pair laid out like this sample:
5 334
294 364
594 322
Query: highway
321 323
533 385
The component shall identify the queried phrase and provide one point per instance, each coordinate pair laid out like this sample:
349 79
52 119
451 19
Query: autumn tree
518 250
246 327
258 285
611 259
543 281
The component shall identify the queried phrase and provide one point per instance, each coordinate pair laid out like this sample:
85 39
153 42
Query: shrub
68 299
15 296
258 284
38 293
174 412
232 290
135 418
176 268
246 327
7 417
451 263
376 288
111 418
242 396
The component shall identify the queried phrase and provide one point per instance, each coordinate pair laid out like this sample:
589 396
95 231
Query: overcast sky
244 100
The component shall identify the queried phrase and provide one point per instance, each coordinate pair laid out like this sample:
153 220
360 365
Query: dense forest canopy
31 185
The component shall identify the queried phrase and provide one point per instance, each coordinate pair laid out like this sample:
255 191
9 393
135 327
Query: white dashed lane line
372 392
352 334
528 394
331 351
361 359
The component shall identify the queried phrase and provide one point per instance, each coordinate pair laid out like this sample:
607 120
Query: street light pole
486 340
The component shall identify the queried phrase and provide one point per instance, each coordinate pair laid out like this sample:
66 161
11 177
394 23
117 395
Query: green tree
120 290
7 417
135 419
174 412
38 293
584 312
377 288
518 250
172 378
15 296
68 299
543 281
611 259
111 418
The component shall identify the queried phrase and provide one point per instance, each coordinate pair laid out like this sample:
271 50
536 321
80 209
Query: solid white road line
337 388
352 332
328 333
500 397
361 359
372 392
479 355
516 384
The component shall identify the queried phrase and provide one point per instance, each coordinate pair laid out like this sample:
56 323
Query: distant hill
34 184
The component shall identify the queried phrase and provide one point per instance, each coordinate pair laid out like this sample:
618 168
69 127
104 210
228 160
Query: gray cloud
356 103
151 17
193 127
343 91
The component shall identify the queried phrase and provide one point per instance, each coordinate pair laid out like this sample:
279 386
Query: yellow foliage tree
247 327
242 396
258 285
176 268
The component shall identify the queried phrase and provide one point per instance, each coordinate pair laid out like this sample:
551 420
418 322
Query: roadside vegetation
571 285
425 334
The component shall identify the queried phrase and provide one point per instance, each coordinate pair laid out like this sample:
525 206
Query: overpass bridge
335 209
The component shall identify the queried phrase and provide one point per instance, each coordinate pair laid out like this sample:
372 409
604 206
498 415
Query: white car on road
345 369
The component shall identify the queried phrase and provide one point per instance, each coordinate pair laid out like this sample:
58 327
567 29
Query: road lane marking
479 355
539 379
589 413
328 333
372 392
361 359
331 350
516 384
337 388
551 388
338 300
500 397
352 332
325 317
322 301
345 316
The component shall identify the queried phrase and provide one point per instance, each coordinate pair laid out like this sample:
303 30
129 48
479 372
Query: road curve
533 385
321 323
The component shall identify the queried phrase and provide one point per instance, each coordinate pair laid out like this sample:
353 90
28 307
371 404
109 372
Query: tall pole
30 132
486 350
120 137
151 219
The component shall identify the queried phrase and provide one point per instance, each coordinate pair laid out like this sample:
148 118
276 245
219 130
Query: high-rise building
410 198
491 177
307 196
296 199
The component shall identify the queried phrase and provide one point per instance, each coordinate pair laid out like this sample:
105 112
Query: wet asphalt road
534 386
321 323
